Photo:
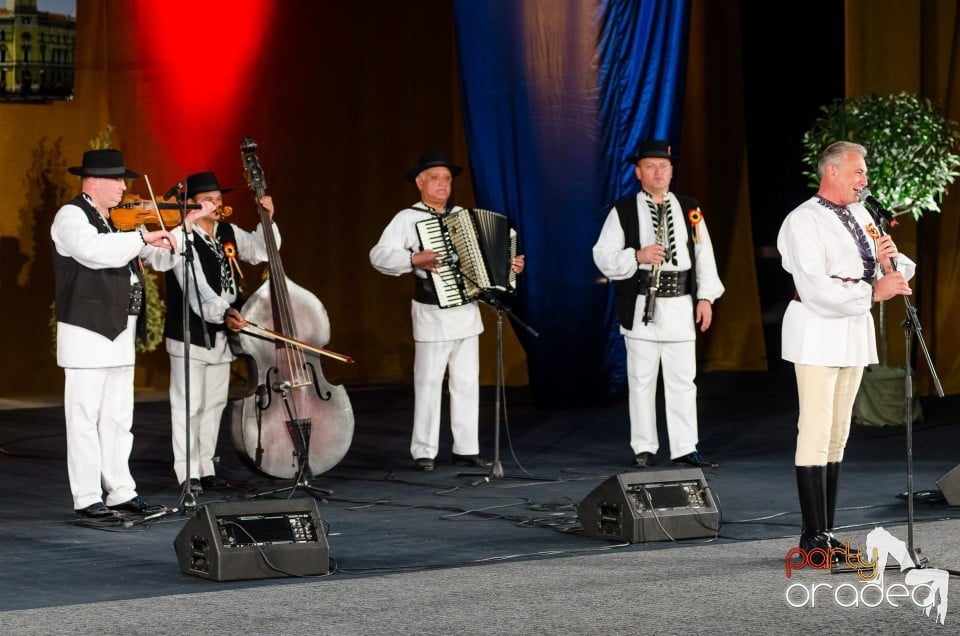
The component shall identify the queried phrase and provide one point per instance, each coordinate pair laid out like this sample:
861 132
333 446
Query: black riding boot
811 485
832 480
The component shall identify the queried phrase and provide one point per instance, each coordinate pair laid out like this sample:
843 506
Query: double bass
292 420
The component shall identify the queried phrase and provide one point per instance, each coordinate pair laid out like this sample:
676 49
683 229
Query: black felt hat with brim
432 159
201 182
106 163
653 149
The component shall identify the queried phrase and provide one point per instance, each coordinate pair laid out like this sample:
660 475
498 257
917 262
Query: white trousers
432 359
679 362
209 385
98 408
826 396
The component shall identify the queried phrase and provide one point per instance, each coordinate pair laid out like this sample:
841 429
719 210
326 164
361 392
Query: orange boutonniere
230 251
695 216
875 235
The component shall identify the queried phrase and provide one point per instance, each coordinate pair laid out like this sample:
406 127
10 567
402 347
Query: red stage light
198 62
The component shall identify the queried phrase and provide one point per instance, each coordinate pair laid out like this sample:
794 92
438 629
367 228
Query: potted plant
912 160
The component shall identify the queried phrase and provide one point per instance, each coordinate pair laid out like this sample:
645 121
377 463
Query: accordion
476 248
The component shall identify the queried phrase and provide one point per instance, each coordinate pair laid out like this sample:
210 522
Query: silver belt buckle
136 300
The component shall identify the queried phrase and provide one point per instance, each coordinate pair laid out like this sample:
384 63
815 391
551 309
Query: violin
134 211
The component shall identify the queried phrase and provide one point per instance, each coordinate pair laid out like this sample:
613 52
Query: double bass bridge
299 430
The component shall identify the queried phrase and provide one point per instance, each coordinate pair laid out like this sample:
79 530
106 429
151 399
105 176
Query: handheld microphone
174 190
482 480
880 213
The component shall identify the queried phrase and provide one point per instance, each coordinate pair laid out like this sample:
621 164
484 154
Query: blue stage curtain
642 54
547 146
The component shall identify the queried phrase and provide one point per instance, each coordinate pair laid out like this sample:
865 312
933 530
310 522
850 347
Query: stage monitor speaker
259 539
651 505
949 485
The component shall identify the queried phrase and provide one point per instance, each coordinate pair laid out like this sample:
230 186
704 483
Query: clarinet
651 303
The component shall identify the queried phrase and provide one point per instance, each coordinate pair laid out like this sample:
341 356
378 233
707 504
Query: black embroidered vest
625 291
95 299
209 268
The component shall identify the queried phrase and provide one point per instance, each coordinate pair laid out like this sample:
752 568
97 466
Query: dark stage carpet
383 517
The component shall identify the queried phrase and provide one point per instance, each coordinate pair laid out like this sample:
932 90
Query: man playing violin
100 309
217 249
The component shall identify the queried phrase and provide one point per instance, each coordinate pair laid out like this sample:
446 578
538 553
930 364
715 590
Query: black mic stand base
496 468
130 520
495 472
302 484
300 435
188 500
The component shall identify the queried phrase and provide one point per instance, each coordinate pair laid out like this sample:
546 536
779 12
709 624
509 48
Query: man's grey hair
834 154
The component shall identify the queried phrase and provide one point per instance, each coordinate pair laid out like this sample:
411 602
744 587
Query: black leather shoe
138 506
694 459
473 461
212 482
95 511
844 546
423 463
819 548
195 487
643 460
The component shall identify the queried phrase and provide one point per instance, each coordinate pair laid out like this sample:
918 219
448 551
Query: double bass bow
294 421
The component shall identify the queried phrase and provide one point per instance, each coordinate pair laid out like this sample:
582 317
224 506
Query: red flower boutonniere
695 216
230 251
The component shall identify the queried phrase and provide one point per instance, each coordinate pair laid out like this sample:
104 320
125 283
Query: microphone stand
492 300
911 326
188 500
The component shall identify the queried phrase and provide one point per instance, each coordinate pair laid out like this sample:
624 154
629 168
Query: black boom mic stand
911 326
188 499
492 299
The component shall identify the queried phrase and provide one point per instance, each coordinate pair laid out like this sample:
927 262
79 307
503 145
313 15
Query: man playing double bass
217 249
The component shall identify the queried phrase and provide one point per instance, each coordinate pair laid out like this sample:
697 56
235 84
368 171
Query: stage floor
385 518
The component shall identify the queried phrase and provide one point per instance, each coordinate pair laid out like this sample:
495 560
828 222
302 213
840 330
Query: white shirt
674 317
831 325
75 237
391 256
252 249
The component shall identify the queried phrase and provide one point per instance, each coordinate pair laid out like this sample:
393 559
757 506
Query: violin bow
155 206
257 330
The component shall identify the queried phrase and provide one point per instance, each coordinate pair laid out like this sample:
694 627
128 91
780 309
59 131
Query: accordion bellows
476 248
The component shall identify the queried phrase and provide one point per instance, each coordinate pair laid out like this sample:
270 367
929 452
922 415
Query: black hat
653 148
201 182
431 159
106 163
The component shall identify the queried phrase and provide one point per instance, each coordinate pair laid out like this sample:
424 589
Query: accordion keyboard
447 279
475 248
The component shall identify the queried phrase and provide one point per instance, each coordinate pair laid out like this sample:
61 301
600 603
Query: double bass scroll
294 419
